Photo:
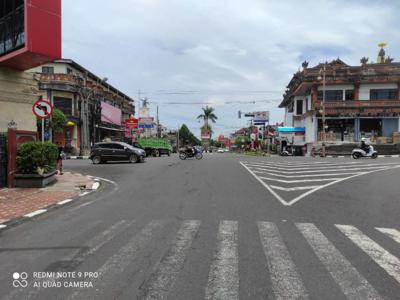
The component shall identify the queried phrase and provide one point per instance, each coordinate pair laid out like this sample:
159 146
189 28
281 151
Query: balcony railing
65 78
358 104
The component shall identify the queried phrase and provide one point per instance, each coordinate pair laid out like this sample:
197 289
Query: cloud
223 50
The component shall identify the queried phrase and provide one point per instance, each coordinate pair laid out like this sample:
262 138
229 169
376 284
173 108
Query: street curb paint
22 219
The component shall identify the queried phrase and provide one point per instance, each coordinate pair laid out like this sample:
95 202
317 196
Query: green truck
154 146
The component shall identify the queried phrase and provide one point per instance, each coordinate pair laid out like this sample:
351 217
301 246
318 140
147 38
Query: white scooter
358 153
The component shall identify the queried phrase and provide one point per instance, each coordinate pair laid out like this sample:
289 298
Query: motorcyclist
365 145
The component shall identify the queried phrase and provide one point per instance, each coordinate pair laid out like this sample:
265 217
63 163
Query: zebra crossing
224 270
291 182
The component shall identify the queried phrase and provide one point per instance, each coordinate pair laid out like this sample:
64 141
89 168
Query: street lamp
323 71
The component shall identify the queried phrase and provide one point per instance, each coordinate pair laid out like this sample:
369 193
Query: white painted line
395 155
387 261
117 263
223 279
286 282
95 185
280 199
332 170
305 175
2 226
35 213
392 233
296 188
352 283
300 180
84 194
163 279
64 201
322 168
82 205
341 156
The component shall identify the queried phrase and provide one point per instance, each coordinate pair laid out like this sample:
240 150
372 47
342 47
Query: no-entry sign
42 109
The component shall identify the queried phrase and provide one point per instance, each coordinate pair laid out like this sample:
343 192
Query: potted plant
36 164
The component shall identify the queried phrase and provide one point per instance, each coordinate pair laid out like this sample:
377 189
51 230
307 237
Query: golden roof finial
382 45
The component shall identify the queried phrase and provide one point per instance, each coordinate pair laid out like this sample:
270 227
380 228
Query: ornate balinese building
360 101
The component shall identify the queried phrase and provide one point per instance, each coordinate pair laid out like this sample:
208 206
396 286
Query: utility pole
323 113
158 125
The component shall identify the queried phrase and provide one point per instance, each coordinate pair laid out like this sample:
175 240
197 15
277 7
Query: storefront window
349 95
12 34
63 104
338 130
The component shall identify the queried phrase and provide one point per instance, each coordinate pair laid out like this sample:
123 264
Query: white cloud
221 48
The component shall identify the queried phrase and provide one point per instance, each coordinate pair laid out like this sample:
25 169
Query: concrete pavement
211 230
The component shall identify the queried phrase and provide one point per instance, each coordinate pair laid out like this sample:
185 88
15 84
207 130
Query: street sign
261 117
146 122
42 109
132 123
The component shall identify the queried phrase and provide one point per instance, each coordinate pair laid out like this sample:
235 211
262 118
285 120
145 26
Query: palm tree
208 114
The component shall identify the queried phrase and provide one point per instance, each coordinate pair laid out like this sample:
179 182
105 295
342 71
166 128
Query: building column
357 129
357 91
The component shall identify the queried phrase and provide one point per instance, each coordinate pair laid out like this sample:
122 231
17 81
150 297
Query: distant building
360 101
95 109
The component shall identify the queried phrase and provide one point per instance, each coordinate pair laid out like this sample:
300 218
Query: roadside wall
18 91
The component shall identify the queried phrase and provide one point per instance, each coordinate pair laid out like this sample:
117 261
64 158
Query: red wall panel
42 36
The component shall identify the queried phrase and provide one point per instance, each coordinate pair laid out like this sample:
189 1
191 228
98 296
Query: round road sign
42 109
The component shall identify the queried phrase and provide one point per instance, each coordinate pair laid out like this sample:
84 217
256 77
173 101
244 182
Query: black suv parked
116 151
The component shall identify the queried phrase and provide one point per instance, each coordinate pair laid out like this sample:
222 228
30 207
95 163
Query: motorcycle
287 152
189 153
358 153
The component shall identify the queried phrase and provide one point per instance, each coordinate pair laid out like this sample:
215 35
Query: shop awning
112 129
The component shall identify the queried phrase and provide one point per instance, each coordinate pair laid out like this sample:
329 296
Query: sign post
43 110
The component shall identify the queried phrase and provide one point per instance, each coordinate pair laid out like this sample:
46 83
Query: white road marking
84 194
387 261
286 282
162 280
64 201
2 226
95 185
300 180
312 167
352 283
35 213
280 199
295 188
392 233
298 198
350 168
116 264
223 279
395 156
308 175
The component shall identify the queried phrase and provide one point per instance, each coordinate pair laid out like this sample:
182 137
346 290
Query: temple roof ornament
364 60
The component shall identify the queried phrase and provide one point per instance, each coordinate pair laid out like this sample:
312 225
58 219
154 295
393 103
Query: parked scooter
287 151
358 153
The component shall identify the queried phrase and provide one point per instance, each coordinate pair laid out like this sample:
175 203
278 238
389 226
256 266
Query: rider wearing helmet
365 145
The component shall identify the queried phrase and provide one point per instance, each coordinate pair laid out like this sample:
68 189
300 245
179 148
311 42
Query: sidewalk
16 203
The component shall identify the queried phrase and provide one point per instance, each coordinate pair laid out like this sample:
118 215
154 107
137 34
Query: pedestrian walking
60 158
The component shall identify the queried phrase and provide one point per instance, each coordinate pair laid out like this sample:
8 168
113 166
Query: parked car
116 151
220 150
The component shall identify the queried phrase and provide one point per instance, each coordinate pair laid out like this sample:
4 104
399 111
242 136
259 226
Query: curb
77 157
27 217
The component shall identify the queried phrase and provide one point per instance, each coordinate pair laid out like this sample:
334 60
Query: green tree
186 136
58 120
206 116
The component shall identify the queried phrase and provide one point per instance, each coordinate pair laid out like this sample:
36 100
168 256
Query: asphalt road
225 227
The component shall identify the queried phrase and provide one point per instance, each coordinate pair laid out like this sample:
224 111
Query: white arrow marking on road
352 283
392 233
286 282
387 261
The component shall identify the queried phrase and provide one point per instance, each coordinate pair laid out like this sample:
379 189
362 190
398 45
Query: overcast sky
219 51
